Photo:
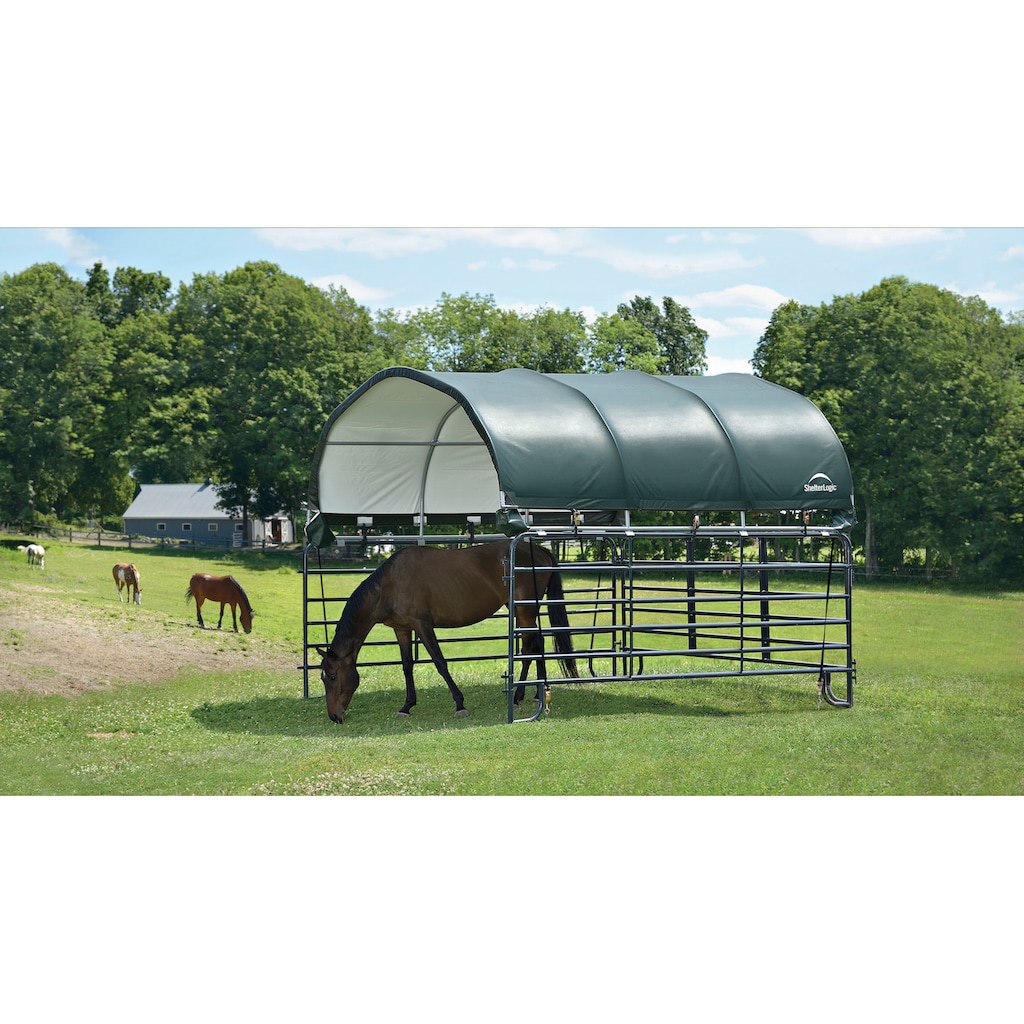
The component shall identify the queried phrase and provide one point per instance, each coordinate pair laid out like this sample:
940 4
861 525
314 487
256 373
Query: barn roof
176 501
455 444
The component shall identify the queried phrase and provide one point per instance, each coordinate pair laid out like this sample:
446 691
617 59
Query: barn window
161 527
212 527
186 527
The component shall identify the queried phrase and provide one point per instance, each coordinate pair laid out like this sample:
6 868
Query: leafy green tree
97 289
459 334
622 343
559 340
924 389
470 333
272 357
57 369
681 342
138 291
397 341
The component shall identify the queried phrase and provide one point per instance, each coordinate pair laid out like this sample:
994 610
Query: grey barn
189 512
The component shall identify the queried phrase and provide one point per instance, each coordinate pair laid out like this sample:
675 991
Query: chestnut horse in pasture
127 578
419 589
226 590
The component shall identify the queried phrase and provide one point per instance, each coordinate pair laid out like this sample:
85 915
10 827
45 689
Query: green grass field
938 707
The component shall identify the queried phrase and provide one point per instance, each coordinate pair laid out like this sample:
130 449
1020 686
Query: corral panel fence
649 603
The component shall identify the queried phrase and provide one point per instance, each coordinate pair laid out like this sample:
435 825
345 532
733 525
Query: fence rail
111 539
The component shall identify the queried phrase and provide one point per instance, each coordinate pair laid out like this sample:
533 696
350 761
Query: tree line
925 389
117 381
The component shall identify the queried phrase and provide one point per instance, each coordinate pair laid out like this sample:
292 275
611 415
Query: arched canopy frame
444 446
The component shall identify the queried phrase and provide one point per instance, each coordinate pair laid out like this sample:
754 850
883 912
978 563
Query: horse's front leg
404 638
426 634
221 619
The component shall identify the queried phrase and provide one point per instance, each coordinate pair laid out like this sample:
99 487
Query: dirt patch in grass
51 646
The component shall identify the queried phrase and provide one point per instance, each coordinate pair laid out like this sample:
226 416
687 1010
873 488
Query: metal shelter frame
563 458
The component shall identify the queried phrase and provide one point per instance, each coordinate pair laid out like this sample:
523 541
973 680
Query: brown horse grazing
226 590
419 589
127 578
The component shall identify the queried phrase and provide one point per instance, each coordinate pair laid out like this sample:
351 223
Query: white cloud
81 251
877 238
1015 252
656 265
1011 298
732 326
378 242
562 242
751 296
998 297
359 291
719 364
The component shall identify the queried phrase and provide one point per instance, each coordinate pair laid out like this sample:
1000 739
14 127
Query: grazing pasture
938 704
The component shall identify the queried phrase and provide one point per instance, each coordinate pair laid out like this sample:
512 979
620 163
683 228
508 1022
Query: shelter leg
426 634
533 645
404 638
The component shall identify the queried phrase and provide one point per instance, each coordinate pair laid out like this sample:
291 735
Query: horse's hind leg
426 634
533 647
221 619
199 614
404 638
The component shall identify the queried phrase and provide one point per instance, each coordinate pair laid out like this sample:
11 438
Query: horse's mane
241 590
366 590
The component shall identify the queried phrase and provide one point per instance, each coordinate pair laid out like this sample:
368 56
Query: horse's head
341 679
245 613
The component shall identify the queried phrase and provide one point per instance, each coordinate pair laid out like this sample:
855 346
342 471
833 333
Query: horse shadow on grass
376 711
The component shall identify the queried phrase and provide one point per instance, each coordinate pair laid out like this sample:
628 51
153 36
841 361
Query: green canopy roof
449 445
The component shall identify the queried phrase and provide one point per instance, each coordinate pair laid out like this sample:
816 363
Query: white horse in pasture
36 553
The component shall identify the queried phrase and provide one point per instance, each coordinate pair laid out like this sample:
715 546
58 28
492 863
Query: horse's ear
323 651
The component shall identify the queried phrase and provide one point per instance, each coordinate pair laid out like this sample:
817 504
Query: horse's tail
188 594
558 617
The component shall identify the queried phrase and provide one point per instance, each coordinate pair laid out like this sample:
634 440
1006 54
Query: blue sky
730 278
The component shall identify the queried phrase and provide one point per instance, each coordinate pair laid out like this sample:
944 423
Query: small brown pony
127 578
419 589
226 590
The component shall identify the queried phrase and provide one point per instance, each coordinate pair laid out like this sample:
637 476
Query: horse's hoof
462 713
404 714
